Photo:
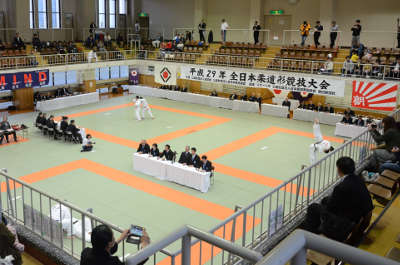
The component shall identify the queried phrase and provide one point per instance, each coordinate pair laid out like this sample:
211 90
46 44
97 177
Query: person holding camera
87 144
105 245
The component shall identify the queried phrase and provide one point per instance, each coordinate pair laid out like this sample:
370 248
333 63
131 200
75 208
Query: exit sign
143 14
276 12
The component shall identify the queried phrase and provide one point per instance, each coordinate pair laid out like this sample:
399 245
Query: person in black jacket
7 129
347 119
206 165
329 109
350 112
185 156
154 152
64 124
359 121
194 158
350 200
320 108
233 97
75 131
51 124
38 119
167 154
105 245
210 37
144 147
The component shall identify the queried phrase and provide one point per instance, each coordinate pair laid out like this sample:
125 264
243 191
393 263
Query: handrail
293 248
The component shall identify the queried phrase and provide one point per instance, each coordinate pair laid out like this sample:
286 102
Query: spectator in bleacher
354 57
202 28
120 40
18 43
100 46
393 165
36 43
304 31
256 31
349 112
359 121
107 40
233 96
7 250
333 33
398 33
338 213
137 26
156 42
176 38
224 27
2 47
356 31
188 35
90 42
92 28
180 46
104 246
384 145
348 67
395 69
210 36
286 103
92 56
317 33
328 67
214 93
329 108
71 48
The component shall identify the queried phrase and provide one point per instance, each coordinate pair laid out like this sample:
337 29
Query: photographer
87 144
104 245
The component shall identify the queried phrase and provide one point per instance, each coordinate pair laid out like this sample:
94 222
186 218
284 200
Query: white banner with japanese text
320 85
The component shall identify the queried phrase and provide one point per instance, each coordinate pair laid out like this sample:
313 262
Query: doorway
277 24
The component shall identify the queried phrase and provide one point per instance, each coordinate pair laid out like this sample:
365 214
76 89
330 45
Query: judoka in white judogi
138 105
145 107
320 144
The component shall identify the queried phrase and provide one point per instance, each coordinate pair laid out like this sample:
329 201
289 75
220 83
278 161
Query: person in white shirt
320 145
92 57
328 67
224 27
87 143
137 27
138 106
146 107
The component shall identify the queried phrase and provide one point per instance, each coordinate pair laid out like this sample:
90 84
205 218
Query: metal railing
294 248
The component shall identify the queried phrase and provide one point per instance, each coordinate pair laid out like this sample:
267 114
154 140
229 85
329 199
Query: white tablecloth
274 110
348 130
323 117
174 172
294 103
245 106
66 102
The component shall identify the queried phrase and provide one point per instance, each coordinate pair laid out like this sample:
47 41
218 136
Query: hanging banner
274 81
133 76
374 95
165 75
11 81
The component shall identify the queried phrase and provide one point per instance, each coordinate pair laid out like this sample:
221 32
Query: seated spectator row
242 61
12 53
243 45
193 49
46 95
234 51
196 44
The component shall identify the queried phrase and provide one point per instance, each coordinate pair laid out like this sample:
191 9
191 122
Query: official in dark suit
350 112
64 124
144 147
233 97
167 154
347 119
329 109
359 122
75 131
154 151
350 200
51 124
185 156
194 158
7 130
320 108
206 165
244 98
38 119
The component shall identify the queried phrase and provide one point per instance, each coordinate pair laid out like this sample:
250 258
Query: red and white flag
374 95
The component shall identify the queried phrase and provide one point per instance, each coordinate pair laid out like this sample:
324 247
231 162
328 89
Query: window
102 14
111 11
122 7
42 14
31 15
55 14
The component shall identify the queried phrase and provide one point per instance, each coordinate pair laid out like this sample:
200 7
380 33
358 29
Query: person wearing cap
320 144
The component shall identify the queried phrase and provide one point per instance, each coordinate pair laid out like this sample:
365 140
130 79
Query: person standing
398 33
137 27
224 27
146 107
356 29
202 27
317 33
256 31
138 105
333 34
304 31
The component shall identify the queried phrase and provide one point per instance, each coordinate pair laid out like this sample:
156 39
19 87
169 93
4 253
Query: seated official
233 97
144 147
359 122
185 156
244 97
7 130
344 208
104 246
205 164
167 154
39 119
52 125
64 124
75 131
43 120
87 144
194 158
154 152
347 119
350 112
329 109
287 103
311 106
302 105
214 93
253 98
184 89
320 108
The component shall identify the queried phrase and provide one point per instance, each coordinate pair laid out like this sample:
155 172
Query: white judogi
64 213
146 107
138 106
320 145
